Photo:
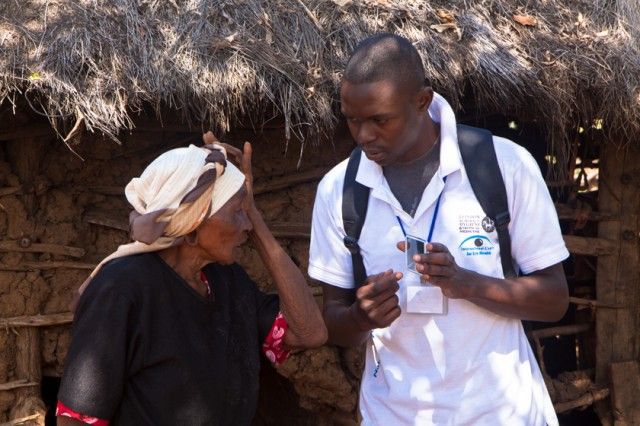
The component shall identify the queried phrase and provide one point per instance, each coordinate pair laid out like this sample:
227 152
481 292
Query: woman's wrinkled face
221 234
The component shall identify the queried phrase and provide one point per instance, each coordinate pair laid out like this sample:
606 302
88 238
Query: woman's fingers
233 152
246 161
209 138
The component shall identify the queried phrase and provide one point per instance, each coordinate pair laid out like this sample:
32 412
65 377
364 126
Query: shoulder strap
481 165
355 198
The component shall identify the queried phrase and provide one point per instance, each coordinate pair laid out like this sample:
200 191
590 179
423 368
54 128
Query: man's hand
376 304
438 267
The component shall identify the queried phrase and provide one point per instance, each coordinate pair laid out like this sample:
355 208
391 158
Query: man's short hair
386 56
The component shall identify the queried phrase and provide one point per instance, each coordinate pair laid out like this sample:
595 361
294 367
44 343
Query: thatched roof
216 60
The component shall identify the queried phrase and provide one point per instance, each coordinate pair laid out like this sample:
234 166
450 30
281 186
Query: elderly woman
168 329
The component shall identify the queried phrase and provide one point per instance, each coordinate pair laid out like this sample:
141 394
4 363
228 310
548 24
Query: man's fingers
401 245
392 315
380 283
443 259
387 305
434 270
375 303
437 248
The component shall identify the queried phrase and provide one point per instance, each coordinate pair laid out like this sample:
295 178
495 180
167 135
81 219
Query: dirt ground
61 193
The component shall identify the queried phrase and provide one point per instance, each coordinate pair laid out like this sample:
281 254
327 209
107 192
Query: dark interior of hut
566 356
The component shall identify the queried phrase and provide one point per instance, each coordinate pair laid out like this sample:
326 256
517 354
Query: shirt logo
476 245
488 225
469 223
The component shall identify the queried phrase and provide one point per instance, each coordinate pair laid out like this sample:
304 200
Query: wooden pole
625 383
27 246
28 402
585 400
37 320
618 275
289 180
589 246
26 266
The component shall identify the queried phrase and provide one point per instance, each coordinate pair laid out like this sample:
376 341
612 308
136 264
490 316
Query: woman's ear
191 238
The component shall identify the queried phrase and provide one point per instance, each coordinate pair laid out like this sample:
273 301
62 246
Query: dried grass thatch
214 61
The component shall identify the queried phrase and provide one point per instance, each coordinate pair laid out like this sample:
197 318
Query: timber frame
615 318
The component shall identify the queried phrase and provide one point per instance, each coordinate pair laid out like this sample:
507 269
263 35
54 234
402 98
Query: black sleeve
267 305
96 363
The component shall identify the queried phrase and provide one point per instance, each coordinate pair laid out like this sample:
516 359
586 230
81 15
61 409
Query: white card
425 299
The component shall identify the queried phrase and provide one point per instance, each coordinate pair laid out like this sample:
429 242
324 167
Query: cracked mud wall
49 195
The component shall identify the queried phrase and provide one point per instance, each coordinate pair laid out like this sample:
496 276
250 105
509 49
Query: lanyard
433 219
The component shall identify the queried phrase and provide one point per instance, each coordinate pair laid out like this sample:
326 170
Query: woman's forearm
306 327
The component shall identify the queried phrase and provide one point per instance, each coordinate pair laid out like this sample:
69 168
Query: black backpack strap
355 198
481 164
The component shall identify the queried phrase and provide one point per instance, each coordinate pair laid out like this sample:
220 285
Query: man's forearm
539 297
343 326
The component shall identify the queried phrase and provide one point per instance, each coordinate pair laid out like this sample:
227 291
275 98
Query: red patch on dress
64 411
273 346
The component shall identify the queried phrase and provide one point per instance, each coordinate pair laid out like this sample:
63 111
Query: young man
467 362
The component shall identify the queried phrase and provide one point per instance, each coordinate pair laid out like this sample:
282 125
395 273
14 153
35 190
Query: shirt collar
370 173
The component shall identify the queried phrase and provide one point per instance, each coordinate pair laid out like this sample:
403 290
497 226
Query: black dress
148 349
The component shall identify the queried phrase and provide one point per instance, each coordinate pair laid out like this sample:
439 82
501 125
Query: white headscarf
173 196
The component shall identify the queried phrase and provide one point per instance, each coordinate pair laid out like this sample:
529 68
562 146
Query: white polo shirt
469 366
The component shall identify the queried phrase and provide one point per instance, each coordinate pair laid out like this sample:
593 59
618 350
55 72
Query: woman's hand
243 160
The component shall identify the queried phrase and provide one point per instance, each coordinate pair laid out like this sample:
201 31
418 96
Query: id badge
426 299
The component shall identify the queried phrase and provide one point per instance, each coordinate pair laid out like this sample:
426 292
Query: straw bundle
218 61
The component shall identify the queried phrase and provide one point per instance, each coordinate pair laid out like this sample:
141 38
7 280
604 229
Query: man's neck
428 139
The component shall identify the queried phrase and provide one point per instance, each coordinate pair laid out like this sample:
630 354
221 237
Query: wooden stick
9 245
28 367
593 303
562 330
290 230
540 354
289 180
589 246
586 399
21 420
37 320
566 212
310 15
26 266
10 190
560 183
101 218
17 384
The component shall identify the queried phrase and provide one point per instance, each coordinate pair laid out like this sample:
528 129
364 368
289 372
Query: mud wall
50 195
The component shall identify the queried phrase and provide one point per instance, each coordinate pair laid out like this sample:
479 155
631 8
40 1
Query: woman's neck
187 263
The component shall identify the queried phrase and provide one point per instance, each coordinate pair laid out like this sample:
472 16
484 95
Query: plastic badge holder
423 298
414 245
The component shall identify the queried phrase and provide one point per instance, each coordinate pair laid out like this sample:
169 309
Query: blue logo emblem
476 245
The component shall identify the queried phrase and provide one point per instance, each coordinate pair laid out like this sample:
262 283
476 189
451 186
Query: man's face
384 120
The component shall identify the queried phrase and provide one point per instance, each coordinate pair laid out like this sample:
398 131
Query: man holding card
445 343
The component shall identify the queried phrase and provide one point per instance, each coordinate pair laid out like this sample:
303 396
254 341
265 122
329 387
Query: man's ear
424 98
